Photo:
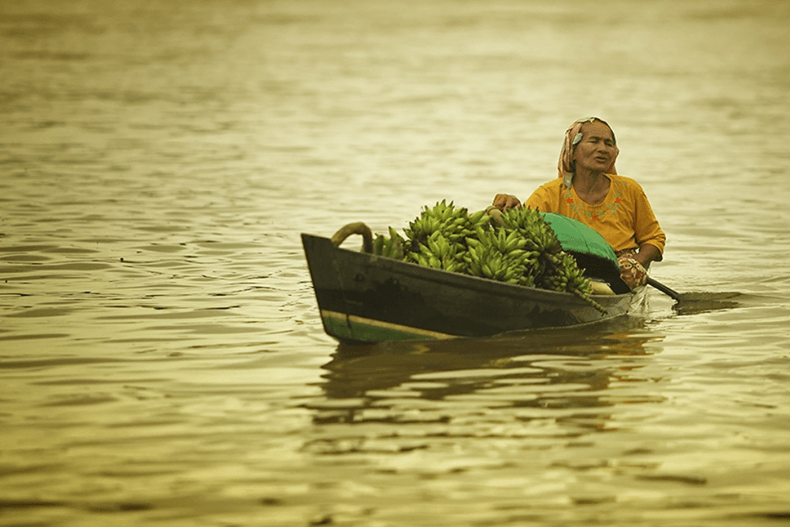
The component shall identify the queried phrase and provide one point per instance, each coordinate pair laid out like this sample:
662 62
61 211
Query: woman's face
596 151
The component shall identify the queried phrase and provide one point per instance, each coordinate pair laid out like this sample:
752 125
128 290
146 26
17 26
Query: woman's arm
647 232
647 253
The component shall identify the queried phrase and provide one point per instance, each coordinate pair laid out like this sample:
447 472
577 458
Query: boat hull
365 298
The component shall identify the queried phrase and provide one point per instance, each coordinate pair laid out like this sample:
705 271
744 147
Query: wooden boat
365 298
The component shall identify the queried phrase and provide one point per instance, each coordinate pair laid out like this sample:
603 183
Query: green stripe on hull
363 329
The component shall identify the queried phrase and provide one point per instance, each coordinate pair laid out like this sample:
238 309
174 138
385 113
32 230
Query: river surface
162 361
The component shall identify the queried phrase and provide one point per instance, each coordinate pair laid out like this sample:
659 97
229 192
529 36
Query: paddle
664 289
688 303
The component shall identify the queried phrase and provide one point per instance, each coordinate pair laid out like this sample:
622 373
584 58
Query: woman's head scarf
573 136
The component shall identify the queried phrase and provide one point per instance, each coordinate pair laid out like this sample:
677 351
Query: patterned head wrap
573 137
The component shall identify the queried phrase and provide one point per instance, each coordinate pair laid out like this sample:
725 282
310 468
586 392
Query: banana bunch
556 270
440 253
501 255
566 276
437 238
517 247
455 224
391 246
532 226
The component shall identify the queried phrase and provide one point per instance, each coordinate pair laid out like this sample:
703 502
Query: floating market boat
365 298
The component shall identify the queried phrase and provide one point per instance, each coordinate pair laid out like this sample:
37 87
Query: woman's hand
506 201
632 272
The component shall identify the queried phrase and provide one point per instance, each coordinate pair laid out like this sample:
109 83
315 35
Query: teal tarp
592 252
574 236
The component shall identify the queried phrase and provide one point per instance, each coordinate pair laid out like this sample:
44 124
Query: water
161 357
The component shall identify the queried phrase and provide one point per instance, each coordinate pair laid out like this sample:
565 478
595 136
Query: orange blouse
624 218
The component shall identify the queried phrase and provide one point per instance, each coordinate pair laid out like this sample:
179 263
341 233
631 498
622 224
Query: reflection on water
542 412
526 372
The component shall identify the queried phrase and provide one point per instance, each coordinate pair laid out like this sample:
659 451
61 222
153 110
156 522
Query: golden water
161 357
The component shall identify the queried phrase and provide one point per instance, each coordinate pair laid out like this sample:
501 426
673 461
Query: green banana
520 248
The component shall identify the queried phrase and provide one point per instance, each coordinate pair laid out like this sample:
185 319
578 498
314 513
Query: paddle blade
692 303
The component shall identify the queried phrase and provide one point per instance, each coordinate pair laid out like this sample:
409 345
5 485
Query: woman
589 190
